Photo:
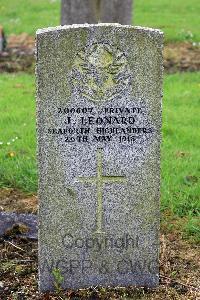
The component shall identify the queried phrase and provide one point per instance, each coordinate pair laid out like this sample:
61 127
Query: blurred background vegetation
178 19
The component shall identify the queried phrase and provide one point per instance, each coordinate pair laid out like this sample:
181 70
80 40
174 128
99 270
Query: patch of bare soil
12 200
181 57
19 55
179 265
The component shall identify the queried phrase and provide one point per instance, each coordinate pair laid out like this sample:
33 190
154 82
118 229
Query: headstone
93 11
99 90
79 11
116 11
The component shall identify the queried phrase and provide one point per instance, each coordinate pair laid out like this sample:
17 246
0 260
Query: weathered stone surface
23 225
98 122
79 11
93 11
116 11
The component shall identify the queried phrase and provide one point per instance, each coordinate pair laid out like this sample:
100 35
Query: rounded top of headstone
76 26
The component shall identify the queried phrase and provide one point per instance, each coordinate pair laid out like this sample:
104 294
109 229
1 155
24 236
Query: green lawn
178 19
180 160
17 132
180 149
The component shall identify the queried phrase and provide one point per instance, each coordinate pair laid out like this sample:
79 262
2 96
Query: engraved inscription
121 266
100 243
119 125
99 180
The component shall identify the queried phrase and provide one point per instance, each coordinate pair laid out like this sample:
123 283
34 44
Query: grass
19 16
178 19
181 143
17 132
180 149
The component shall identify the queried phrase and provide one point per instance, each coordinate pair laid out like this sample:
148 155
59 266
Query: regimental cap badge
100 73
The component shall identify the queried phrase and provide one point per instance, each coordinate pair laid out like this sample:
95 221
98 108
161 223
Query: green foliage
58 279
178 19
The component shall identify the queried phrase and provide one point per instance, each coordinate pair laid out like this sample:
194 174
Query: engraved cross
100 180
